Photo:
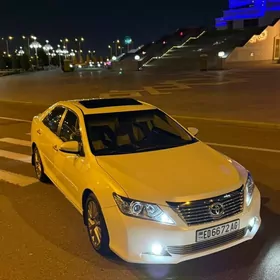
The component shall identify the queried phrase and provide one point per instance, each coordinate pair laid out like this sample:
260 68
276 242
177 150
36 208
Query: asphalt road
42 236
242 94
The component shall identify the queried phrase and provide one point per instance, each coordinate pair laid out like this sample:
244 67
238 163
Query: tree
24 62
2 63
55 60
88 59
8 62
15 62
75 60
43 59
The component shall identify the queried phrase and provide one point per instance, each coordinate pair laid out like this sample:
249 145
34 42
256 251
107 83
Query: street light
28 42
20 52
111 51
10 38
79 40
116 46
65 51
59 52
35 45
221 54
64 41
47 48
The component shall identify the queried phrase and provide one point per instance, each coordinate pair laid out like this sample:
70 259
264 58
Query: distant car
147 188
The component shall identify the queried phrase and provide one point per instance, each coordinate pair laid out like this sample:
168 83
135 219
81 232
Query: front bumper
132 239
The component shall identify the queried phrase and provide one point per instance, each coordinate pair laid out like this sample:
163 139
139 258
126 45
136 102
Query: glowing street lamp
59 52
65 51
10 38
72 53
20 52
64 41
47 48
28 42
35 45
116 46
111 51
79 41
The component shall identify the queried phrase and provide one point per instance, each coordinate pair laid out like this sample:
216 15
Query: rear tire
96 226
38 166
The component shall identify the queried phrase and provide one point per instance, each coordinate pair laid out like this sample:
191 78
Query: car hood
179 174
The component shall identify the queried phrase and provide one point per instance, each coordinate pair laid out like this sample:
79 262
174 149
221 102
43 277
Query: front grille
198 212
205 245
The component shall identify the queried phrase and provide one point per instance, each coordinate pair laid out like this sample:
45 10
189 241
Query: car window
70 130
132 132
53 118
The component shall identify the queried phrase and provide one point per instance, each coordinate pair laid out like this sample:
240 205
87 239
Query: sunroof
110 102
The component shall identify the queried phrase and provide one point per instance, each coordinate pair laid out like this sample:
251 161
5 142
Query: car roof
108 105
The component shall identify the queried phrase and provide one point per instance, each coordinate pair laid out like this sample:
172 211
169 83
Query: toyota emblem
216 210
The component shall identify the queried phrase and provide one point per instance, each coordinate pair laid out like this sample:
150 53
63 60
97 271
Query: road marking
16 179
244 147
237 122
15 156
154 91
14 101
16 141
115 93
14 119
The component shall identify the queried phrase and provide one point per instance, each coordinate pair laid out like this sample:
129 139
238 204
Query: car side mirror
193 130
70 147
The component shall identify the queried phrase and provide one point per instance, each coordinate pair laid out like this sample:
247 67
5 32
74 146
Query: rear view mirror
71 147
193 130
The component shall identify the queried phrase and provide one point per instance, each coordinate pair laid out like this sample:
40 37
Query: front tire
38 166
96 226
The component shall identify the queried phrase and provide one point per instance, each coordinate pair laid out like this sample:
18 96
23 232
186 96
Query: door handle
39 131
55 148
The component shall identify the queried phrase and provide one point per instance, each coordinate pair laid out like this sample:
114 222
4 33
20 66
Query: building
248 13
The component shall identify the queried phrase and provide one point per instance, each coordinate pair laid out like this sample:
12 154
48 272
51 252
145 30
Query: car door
48 140
70 168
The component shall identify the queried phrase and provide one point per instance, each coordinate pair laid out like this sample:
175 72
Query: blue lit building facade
248 13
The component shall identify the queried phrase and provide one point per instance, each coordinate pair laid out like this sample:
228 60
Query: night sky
100 22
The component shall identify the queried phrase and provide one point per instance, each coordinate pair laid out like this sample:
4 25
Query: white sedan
147 188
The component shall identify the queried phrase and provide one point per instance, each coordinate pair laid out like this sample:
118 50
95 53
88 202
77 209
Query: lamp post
59 52
120 49
47 48
65 52
79 41
20 52
91 54
116 46
111 51
10 38
64 42
28 42
35 45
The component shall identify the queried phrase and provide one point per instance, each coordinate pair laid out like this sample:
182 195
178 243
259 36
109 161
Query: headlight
142 210
250 186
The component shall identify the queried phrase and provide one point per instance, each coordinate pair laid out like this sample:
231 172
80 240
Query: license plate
216 231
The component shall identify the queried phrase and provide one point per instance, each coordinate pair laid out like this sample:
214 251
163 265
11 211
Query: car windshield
133 132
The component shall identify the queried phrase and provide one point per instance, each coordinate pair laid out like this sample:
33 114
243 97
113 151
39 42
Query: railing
172 48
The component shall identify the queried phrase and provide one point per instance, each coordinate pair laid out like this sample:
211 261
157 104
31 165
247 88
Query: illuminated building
248 13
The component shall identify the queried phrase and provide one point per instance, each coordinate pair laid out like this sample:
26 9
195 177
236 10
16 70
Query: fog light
252 223
157 249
